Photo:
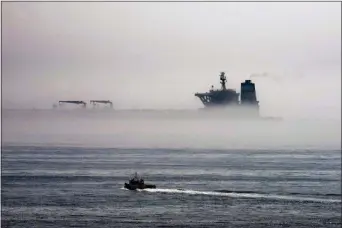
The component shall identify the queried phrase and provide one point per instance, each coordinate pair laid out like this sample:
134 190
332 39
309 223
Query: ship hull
236 111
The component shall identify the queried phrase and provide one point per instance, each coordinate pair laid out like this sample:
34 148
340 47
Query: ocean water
67 169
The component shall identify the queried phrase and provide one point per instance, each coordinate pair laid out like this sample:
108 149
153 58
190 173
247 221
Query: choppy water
68 170
83 187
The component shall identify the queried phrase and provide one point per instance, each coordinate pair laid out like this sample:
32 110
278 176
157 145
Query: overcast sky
156 55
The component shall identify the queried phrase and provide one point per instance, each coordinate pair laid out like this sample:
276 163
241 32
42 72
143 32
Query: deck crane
102 102
84 104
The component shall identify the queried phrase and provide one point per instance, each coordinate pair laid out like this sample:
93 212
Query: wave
241 195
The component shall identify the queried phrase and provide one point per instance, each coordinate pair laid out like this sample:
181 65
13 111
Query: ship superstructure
224 97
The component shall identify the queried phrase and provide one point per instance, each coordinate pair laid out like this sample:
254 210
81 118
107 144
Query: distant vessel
230 100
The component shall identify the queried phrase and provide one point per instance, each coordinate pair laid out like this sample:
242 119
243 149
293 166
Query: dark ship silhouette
247 105
136 182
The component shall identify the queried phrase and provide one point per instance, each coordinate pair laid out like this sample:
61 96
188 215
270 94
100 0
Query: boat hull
135 187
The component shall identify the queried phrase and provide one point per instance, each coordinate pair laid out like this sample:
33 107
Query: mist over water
140 56
166 129
66 167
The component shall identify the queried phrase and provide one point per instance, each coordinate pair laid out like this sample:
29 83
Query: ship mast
223 80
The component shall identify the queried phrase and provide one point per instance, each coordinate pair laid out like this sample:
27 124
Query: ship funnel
248 93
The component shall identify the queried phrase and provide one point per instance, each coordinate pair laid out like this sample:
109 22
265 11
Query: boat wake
242 195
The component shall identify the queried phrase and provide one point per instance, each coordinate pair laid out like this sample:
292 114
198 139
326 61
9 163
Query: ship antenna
223 80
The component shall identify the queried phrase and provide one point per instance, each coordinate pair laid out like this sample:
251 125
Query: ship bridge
223 96
219 97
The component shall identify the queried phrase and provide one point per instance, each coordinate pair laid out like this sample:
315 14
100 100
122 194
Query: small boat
137 183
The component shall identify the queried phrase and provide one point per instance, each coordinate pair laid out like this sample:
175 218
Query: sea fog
165 129
67 167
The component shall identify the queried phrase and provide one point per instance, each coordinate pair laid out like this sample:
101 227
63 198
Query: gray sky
156 55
